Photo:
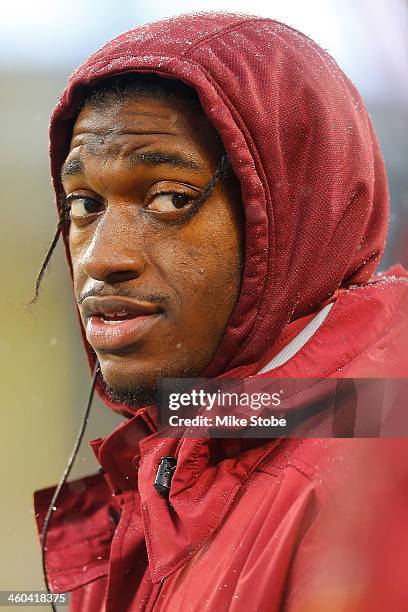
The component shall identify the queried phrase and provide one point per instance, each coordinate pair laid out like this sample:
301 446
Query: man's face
155 279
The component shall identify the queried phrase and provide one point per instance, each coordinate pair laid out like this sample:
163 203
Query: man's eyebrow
149 158
71 167
154 158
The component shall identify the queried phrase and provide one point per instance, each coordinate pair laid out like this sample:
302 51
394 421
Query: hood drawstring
52 506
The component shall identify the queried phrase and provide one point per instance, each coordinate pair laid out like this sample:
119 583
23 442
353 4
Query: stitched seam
65 570
83 541
126 527
316 477
189 48
303 467
128 505
311 473
282 467
148 539
269 469
219 32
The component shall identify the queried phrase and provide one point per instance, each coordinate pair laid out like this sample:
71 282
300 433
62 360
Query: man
224 207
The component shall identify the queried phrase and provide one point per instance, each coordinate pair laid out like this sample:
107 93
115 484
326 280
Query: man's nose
114 254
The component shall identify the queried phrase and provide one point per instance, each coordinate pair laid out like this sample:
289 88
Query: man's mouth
114 323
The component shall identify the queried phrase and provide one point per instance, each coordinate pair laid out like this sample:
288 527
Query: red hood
301 143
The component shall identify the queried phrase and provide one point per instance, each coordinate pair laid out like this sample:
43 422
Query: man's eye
83 207
167 202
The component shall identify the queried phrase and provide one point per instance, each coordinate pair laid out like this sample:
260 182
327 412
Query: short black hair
134 84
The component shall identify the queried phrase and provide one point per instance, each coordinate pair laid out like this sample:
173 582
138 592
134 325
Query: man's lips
114 323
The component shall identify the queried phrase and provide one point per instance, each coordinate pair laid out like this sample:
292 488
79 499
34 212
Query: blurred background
45 377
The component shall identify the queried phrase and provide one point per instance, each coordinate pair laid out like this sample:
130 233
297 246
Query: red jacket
303 524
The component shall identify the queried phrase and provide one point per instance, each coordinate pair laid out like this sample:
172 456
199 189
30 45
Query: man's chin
134 383
135 397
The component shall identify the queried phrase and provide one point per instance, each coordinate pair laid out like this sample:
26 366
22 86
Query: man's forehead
141 132
132 116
